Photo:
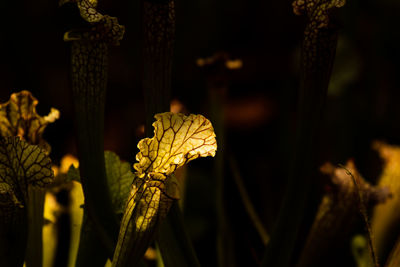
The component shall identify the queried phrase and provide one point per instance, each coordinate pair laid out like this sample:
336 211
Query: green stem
13 235
224 237
173 241
34 253
363 211
89 80
158 26
394 257
247 202
318 53
158 31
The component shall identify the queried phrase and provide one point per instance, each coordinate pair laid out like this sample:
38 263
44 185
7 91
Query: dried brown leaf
18 117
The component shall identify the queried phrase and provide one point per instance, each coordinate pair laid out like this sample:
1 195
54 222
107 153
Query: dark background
260 103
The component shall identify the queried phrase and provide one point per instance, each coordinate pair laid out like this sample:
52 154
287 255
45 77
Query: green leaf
73 174
119 178
22 164
22 167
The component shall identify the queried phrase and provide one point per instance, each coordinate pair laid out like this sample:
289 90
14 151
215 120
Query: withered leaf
18 117
104 27
177 140
317 10
338 212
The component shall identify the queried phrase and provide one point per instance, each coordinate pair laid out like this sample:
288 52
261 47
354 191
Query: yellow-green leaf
177 140
119 178
146 206
18 117
22 164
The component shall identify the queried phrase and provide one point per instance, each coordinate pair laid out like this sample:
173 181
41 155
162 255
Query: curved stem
255 219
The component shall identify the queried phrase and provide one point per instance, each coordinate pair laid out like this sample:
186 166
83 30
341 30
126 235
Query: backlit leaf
147 205
22 164
177 140
18 117
23 168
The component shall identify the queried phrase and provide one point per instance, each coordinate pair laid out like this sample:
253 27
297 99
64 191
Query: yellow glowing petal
200 62
49 234
151 254
384 220
55 169
66 163
18 117
234 64
177 140
176 106
76 212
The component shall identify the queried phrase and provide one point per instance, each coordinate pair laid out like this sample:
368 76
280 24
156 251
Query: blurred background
257 94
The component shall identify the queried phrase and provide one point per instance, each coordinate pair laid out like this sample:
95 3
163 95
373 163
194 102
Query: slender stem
247 202
224 234
158 31
13 235
394 257
158 26
173 241
34 252
363 211
318 53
